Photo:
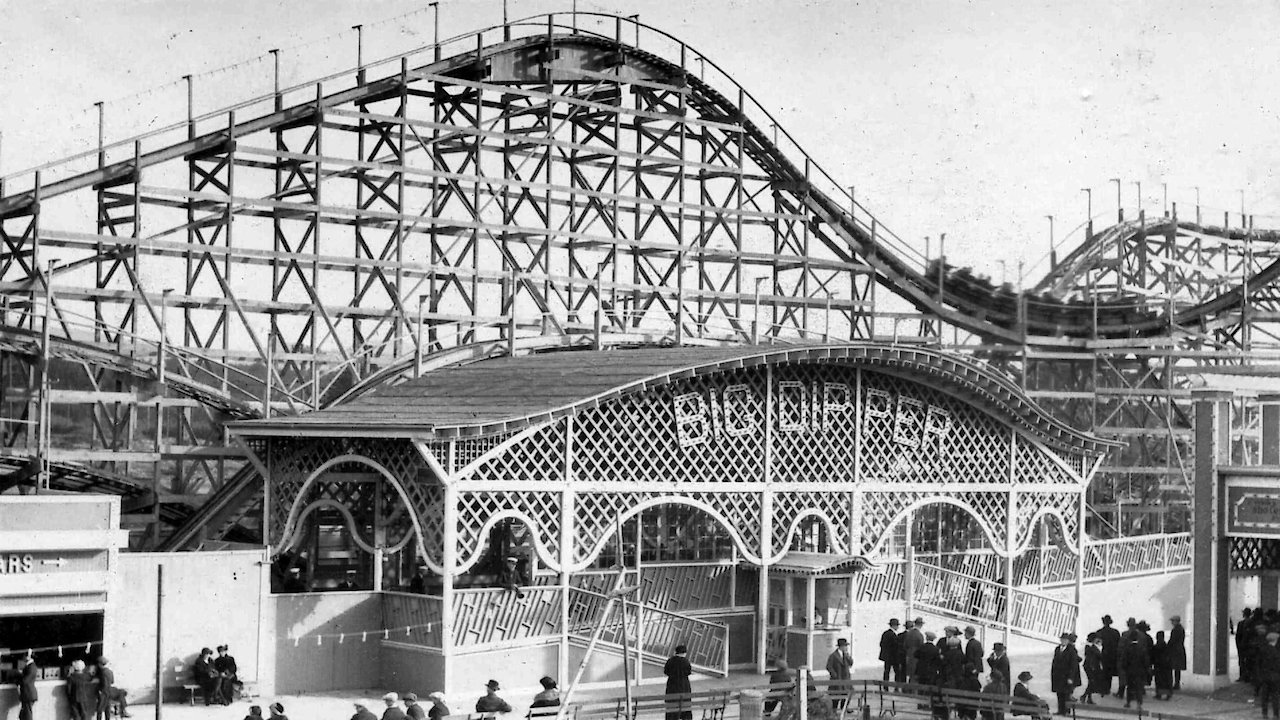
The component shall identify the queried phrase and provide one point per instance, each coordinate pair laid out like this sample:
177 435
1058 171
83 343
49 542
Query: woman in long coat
678 671
1160 660
1093 669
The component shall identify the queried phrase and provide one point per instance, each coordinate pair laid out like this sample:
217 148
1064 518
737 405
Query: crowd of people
1133 658
91 690
1257 635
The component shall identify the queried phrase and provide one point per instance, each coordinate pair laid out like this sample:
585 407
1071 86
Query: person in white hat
392 712
439 708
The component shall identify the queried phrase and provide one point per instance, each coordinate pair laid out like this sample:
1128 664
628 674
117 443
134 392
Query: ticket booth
811 606
57 553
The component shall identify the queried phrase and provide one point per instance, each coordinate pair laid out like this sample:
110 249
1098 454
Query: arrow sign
56 561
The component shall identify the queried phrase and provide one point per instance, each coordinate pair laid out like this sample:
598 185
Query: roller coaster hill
560 183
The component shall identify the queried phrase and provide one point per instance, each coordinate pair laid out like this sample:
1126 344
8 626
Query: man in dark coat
393 711
1110 646
1177 650
208 677
1244 635
1136 666
1064 673
82 692
27 693
1267 672
973 650
225 664
999 662
108 692
890 652
928 662
838 664
912 639
678 671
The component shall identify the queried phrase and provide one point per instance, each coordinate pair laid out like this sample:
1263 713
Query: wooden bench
707 704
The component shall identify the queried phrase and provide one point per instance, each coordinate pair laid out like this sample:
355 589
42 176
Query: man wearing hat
392 712
1064 673
411 707
108 692
1267 658
999 662
226 667
891 651
973 650
838 664
490 702
438 707
1026 702
1110 654
208 677
549 696
912 639
510 578
362 713
27 692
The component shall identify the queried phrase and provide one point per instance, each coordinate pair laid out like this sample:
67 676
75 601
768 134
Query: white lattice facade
757 448
769 444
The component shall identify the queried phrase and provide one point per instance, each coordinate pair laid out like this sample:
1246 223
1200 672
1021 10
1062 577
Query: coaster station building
762 497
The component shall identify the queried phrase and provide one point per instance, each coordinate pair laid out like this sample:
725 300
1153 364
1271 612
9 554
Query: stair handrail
707 650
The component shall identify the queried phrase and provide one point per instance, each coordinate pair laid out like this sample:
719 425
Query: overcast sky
972 118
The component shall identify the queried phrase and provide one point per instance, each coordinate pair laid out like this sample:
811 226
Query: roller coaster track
1055 315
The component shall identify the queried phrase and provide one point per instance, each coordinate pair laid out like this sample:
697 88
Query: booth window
56 640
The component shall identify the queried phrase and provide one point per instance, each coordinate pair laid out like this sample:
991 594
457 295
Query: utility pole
1119 201
1088 194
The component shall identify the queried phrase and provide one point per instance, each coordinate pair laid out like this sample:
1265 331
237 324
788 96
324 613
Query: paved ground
1228 703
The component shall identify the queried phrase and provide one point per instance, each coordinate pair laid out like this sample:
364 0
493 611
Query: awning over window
812 563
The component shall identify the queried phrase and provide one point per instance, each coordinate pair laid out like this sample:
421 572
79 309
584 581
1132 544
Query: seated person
226 667
208 678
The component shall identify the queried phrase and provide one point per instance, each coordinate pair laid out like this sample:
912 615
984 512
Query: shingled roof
509 393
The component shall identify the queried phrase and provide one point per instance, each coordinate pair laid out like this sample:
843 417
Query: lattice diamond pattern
991 510
1033 466
1254 554
538 457
539 510
879 510
595 514
789 506
292 460
816 436
913 433
1031 504
635 438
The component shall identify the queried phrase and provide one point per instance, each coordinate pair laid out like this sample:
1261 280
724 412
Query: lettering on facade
14 564
1253 511
804 407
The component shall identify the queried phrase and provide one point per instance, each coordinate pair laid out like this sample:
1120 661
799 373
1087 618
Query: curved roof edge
510 393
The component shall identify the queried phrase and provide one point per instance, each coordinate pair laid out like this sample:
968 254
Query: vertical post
417 343
1088 199
159 640
506 25
1210 556
1198 205
566 550
45 443
450 564
102 159
766 528
1119 201
359 53
1270 403
191 106
275 77
1053 247
435 29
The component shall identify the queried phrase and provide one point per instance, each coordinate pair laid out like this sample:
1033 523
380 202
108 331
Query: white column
450 565
566 552
766 527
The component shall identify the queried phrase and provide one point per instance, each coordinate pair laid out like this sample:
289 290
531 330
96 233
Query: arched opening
350 528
